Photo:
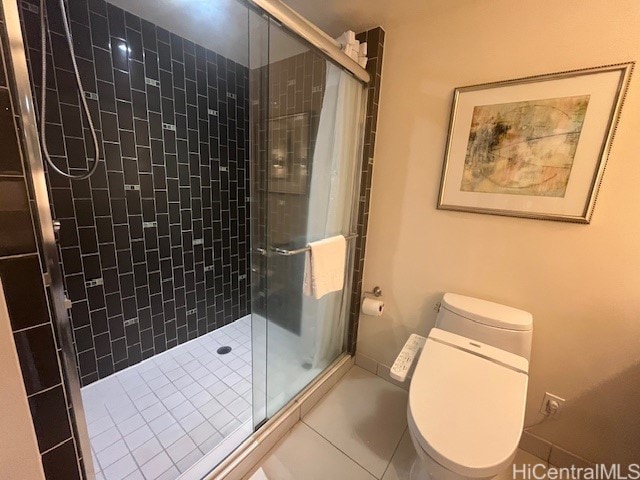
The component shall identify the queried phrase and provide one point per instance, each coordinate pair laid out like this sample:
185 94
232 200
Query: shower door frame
44 222
301 27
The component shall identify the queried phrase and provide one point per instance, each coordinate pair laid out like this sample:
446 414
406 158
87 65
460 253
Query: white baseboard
563 458
535 446
381 370
550 453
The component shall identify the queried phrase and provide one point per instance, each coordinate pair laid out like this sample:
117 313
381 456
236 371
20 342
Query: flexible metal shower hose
43 95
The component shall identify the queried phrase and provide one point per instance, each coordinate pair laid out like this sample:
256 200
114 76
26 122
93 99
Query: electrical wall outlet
551 405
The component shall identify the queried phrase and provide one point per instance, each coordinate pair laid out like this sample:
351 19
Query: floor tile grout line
394 452
340 450
176 421
115 425
155 435
125 384
151 459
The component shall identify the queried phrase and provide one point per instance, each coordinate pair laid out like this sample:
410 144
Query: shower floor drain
223 350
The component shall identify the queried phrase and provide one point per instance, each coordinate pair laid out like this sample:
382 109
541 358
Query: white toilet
468 392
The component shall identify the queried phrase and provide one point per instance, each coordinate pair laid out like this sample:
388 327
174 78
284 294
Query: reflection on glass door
306 135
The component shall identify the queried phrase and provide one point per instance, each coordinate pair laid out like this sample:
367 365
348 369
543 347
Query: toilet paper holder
376 292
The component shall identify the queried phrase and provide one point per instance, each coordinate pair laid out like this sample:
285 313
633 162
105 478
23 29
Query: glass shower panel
308 187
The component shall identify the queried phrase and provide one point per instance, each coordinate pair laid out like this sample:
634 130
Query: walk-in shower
229 138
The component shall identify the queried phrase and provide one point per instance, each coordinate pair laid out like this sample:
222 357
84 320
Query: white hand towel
324 266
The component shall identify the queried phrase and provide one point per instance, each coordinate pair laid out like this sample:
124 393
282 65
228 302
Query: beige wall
19 457
581 282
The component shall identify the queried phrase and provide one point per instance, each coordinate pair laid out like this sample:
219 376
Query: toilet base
426 468
421 470
417 472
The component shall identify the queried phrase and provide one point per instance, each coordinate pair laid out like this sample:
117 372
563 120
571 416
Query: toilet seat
466 404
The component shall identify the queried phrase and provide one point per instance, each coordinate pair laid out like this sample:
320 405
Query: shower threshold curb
248 455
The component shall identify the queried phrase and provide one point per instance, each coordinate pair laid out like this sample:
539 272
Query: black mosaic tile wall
21 272
375 48
155 245
294 88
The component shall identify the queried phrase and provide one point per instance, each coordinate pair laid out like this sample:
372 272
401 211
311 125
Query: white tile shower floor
156 419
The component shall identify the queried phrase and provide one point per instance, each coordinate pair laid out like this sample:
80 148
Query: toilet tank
497 325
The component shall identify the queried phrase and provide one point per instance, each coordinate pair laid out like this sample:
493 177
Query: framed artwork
289 153
533 147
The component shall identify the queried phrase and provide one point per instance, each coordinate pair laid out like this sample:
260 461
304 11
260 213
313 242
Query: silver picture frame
534 147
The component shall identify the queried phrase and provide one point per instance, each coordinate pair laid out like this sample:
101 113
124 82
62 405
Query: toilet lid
466 404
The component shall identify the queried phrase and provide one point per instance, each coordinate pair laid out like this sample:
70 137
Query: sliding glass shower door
307 116
153 247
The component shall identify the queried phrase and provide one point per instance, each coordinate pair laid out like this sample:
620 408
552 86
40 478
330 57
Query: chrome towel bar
287 253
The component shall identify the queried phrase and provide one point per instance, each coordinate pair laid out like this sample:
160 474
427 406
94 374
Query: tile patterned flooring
358 431
154 420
